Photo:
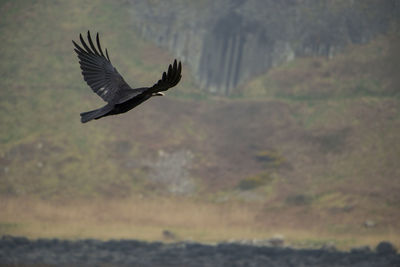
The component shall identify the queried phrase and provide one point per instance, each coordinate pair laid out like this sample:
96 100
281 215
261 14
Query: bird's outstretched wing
169 79
98 72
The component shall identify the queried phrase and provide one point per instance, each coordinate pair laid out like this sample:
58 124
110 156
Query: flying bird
105 81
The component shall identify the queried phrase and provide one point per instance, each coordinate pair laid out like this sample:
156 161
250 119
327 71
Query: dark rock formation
19 251
386 248
227 42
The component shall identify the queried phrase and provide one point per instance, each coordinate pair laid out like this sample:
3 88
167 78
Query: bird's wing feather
169 79
99 73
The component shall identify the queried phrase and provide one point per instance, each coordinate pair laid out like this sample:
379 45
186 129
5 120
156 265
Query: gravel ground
20 251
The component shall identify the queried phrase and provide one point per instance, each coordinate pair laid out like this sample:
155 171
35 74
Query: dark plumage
104 79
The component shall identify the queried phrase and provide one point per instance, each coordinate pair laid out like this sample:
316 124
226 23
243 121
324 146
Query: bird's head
158 94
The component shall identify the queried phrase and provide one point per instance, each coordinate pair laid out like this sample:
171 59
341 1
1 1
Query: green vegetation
255 181
271 158
299 199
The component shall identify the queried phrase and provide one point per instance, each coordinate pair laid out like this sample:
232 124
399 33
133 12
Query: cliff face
227 42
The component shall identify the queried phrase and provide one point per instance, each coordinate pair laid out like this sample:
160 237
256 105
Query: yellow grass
188 219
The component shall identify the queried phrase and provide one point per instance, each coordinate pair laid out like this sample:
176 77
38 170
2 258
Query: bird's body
114 109
105 80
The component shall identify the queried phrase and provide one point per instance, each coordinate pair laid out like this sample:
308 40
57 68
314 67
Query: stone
385 248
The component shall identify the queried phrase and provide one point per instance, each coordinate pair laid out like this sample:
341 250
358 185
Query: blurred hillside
229 42
316 136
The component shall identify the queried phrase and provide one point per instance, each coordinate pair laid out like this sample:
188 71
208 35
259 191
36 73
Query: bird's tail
95 114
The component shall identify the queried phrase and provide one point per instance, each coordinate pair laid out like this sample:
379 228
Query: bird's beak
158 94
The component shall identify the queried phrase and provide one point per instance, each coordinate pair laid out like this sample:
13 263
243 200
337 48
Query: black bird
104 79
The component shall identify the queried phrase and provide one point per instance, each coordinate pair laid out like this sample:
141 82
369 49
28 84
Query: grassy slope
331 127
146 218
43 93
349 110
348 107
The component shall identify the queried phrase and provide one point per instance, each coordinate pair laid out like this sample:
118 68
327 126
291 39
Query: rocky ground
20 251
